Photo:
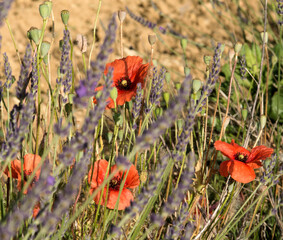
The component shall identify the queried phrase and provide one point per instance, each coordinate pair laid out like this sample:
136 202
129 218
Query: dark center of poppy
27 174
124 83
115 183
241 157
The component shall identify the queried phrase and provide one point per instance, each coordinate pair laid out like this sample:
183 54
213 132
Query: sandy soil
202 24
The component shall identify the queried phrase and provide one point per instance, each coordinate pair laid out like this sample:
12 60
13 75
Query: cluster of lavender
280 11
137 105
156 129
153 26
34 76
8 72
15 219
269 173
157 85
62 131
65 65
4 9
14 138
196 107
176 197
24 75
86 88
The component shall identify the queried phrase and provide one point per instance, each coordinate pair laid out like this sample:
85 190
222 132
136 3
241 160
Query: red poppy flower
30 163
127 73
242 162
98 175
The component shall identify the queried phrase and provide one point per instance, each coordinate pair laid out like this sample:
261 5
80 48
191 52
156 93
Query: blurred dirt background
203 23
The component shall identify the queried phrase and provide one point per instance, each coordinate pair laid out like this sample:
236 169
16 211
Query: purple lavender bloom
157 86
196 108
141 20
137 105
34 76
24 75
14 138
86 88
4 9
8 72
157 128
65 55
60 131
280 11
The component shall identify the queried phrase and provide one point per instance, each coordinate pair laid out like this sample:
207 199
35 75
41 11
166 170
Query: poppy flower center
124 83
115 183
241 157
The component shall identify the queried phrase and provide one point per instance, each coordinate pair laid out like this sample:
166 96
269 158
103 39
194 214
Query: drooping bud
34 34
45 46
238 47
196 85
166 97
244 114
264 36
262 121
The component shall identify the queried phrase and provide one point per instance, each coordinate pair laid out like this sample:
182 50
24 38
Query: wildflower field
141 119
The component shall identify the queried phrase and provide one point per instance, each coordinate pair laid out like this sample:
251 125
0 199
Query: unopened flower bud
264 36
167 77
34 34
207 60
187 71
178 86
152 39
82 43
44 11
262 121
244 114
114 93
196 85
122 15
166 97
184 43
45 46
238 47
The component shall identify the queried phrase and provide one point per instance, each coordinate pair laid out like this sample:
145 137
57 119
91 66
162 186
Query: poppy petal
224 166
36 209
15 169
230 150
259 153
30 163
125 199
96 177
254 165
241 172
133 179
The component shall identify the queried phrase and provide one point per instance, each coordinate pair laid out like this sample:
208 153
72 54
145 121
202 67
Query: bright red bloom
98 175
242 162
128 72
30 163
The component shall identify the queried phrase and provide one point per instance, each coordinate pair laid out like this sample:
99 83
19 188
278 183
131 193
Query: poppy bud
122 15
34 34
44 11
152 39
187 71
184 43
114 94
82 42
45 46
238 47
207 60
265 36
178 86
244 114
196 85
166 97
167 77
262 121
65 14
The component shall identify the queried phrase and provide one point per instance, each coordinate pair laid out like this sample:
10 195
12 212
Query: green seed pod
238 47
65 14
196 85
34 34
178 86
184 43
49 4
114 93
262 121
45 59
207 60
187 71
167 77
158 112
44 11
45 46
166 97
244 114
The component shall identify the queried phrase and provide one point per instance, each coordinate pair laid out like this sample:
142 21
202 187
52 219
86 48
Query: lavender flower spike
137 105
24 75
4 9
8 72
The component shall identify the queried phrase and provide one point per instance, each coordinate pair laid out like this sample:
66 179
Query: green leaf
277 106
